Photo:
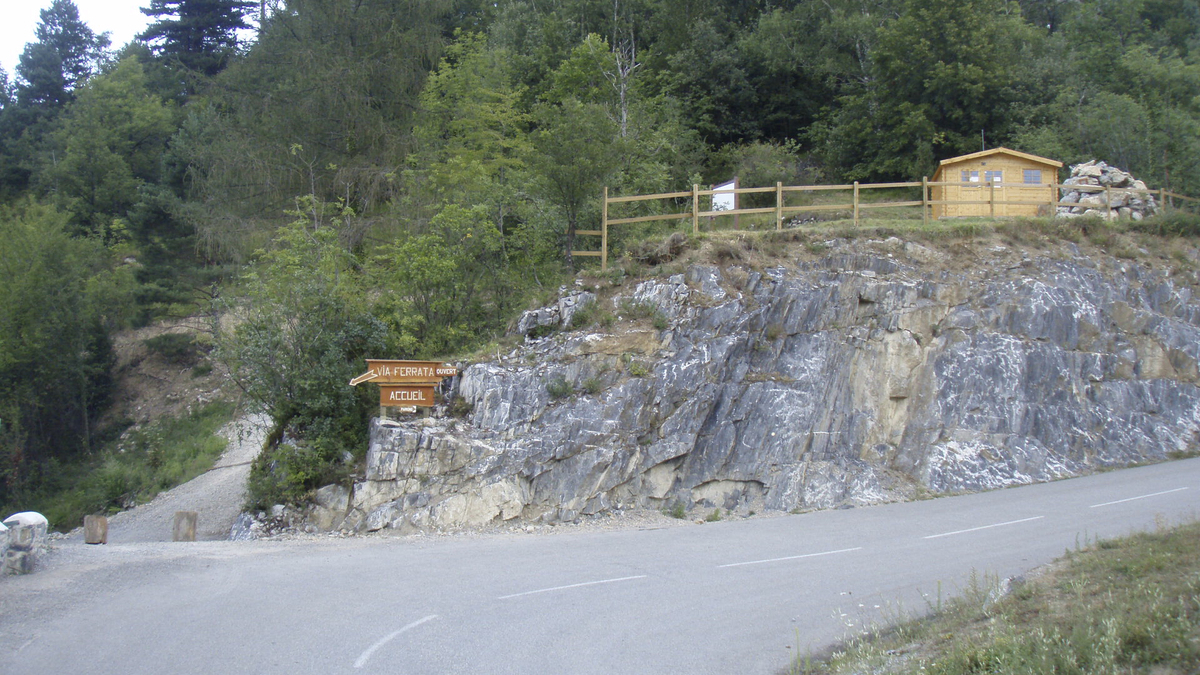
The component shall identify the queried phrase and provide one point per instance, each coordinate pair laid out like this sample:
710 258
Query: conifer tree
65 55
200 35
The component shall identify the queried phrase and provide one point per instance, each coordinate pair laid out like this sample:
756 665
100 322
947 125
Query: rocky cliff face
880 371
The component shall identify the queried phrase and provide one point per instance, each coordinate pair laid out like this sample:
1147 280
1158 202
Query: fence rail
926 202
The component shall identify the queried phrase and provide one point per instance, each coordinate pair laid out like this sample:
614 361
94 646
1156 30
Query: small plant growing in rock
774 331
542 331
677 511
631 309
660 321
558 387
593 385
638 369
460 407
714 516
585 315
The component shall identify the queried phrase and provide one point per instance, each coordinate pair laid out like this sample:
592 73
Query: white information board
724 198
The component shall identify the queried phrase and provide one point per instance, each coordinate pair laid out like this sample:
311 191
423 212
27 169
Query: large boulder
25 542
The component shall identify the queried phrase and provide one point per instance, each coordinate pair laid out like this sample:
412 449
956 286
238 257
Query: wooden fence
780 209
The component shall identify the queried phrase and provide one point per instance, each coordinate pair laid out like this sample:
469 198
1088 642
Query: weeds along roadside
1123 605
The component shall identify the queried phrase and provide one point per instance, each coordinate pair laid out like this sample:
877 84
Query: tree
472 135
110 143
943 72
578 150
59 301
304 332
65 54
323 104
49 73
200 35
451 287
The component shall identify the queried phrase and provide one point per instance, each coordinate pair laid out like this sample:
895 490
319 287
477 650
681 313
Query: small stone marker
95 529
18 559
184 528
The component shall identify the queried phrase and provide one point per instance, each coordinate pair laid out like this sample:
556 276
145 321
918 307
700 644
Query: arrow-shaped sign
394 371
369 375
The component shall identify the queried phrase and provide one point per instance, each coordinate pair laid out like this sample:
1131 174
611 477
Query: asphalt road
728 597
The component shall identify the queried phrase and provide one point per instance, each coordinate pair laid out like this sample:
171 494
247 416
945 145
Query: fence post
695 209
992 198
604 233
924 200
1055 198
778 206
184 526
1107 203
856 203
95 530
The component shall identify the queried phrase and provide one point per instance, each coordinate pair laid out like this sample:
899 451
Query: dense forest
399 177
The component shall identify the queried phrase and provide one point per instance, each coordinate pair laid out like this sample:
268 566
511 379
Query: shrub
286 473
175 347
558 387
584 315
638 369
593 385
631 309
1171 223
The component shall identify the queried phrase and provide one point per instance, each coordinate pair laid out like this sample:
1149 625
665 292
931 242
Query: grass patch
131 471
1128 605
677 510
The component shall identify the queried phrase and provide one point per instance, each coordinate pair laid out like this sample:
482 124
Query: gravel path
216 495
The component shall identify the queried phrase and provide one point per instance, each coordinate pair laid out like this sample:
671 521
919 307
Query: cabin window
993 176
1033 176
970 176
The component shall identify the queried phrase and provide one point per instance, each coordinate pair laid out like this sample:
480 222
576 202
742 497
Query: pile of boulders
22 541
1122 200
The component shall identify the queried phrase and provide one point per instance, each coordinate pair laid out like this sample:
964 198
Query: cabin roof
997 151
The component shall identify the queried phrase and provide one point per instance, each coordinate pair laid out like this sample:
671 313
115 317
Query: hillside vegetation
376 177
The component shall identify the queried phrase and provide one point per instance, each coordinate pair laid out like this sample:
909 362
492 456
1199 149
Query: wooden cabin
998 175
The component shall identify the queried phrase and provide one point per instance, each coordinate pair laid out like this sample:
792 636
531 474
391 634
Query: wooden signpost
406 385
391 371
406 395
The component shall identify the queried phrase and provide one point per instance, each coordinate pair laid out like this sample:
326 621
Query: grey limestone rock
558 315
22 542
1118 201
245 528
810 385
